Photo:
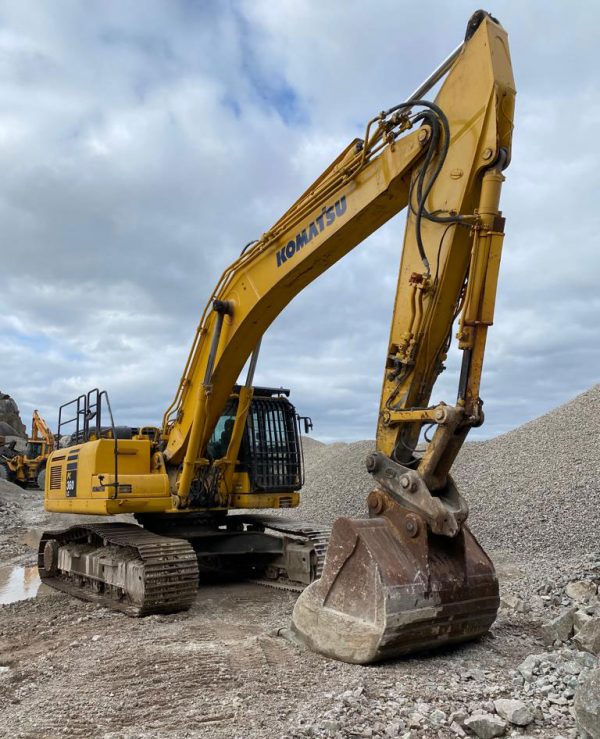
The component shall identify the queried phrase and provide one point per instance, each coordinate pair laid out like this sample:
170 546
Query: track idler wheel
50 555
390 588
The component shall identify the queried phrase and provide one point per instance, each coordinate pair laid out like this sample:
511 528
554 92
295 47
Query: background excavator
409 577
28 468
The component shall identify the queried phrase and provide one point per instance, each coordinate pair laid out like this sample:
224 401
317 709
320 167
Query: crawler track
169 566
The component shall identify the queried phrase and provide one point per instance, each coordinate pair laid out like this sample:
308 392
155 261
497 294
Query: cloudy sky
143 143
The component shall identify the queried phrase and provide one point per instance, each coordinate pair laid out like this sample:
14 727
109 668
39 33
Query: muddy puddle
18 583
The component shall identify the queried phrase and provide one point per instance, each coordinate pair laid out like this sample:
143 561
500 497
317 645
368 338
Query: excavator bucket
390 587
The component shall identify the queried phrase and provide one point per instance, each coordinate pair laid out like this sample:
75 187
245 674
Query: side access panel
81 479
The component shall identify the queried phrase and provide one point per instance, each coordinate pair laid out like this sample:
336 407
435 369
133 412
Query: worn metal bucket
390 588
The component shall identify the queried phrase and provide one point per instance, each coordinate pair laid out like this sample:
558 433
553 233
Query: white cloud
142 144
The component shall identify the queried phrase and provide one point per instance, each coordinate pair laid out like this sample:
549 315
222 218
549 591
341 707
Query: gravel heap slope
533 490
537 488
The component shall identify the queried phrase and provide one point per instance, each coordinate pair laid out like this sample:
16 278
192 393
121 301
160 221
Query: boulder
580 619
581 591
560 628
588 636
486 725
587 704
514 711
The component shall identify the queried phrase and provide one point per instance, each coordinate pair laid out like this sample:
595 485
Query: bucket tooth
391 588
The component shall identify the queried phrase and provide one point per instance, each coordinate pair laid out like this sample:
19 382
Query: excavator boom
41 432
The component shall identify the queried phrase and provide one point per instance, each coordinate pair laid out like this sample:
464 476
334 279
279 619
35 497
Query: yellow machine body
77 482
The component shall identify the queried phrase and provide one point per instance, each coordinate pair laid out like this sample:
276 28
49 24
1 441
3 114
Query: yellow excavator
409 577
28 468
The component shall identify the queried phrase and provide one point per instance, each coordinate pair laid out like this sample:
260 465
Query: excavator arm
443 160
41 432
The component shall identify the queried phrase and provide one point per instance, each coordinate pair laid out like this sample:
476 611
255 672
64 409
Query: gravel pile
537 489
336 480
533 490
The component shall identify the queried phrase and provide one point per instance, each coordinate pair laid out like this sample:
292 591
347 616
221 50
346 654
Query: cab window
219 441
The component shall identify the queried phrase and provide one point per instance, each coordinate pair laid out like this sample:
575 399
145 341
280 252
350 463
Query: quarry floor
73 669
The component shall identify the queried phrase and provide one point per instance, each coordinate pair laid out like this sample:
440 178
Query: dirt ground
73 669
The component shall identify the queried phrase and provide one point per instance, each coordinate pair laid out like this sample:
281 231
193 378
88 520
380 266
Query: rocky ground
72 669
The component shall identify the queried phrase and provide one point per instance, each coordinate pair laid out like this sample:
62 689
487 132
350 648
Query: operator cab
35 449
271 448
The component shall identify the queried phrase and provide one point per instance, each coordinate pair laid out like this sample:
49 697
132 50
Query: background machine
28 468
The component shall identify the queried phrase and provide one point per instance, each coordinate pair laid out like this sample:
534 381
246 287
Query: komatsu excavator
409 577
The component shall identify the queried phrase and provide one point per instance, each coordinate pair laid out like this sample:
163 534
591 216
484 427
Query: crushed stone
531 490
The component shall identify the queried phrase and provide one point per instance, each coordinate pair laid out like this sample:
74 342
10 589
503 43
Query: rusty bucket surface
391 588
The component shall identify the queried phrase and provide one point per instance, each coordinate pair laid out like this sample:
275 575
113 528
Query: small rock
535 603
474 674
581 591
528 666
560 628
437 717
486 726
514 711
415 720
587 704
514 603
556 699
457 729
518 680
572 667
458 717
